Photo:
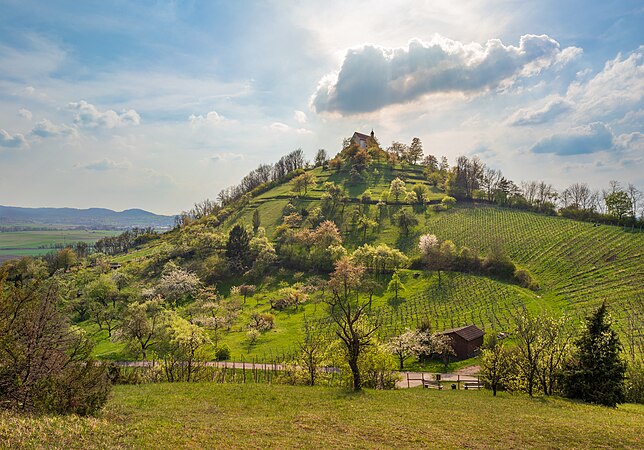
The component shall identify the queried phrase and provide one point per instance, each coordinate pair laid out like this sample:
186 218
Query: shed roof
468 332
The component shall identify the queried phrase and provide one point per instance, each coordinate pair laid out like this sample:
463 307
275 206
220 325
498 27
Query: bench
472 385
434 384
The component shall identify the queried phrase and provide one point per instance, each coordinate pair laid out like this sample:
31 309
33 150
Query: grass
33 243
205 415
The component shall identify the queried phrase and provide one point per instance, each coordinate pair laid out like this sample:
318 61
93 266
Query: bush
524 278
45 363
222 353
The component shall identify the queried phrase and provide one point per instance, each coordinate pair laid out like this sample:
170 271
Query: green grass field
208 415
34 243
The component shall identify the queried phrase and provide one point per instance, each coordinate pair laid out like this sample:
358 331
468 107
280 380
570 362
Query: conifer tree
595 374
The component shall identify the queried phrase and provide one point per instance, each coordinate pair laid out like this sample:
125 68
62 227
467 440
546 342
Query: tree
397 189
142 324
406 220
313 349
595 373
238 248
349 313
45 363
406 345
619 204
303 182
495 361
176 284
321 158
257 221
395 285
415 152
421 193
530 346
364 223
181 346
246 290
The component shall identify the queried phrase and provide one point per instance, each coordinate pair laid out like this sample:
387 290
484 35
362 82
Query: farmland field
33 243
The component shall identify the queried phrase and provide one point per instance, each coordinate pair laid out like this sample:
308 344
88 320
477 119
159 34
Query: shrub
524 278
45 363
222 353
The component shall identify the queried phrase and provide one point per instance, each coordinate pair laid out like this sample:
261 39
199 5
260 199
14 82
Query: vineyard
458 300
577 264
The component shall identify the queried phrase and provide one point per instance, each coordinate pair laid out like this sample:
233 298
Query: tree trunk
357 382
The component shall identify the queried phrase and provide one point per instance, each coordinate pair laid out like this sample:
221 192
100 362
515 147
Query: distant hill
97 218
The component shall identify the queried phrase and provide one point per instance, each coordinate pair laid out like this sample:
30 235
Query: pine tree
238 248
595 374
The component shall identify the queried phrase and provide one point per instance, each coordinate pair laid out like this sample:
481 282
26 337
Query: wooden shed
466 341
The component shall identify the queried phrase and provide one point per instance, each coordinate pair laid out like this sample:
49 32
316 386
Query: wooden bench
472 385
434 384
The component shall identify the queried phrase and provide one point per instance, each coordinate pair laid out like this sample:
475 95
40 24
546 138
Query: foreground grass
273 416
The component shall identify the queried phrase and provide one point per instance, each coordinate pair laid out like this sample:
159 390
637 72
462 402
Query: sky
161 104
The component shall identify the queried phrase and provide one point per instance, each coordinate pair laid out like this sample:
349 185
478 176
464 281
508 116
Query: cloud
25 113
551 110
595 137
227 156
107 164
15 141
212 118
46 129
300 116
280 127
615 91
630 141
373 77
88 115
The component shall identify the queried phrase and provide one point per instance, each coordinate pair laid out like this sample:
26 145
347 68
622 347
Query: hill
95 218
209 415
576 264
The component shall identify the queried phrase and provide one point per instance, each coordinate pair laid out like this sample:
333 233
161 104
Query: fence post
407 379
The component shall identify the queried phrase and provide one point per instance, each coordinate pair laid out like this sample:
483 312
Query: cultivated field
34 243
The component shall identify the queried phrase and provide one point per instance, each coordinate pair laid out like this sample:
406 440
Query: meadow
208 415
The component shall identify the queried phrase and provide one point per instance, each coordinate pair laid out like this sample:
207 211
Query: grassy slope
276 416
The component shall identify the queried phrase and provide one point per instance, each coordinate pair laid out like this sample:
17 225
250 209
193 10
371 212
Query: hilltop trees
595 374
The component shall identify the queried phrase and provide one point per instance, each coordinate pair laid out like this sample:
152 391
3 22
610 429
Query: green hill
577 265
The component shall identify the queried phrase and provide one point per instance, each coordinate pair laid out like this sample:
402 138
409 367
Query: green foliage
222 353
238 248
596 372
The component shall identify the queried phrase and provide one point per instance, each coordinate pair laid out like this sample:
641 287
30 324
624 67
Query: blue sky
160 104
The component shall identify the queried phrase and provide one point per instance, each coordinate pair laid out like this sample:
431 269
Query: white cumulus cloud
212 118
47 129
11 141
88 115
373 77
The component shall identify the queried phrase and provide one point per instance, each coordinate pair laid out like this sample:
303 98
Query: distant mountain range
97 218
